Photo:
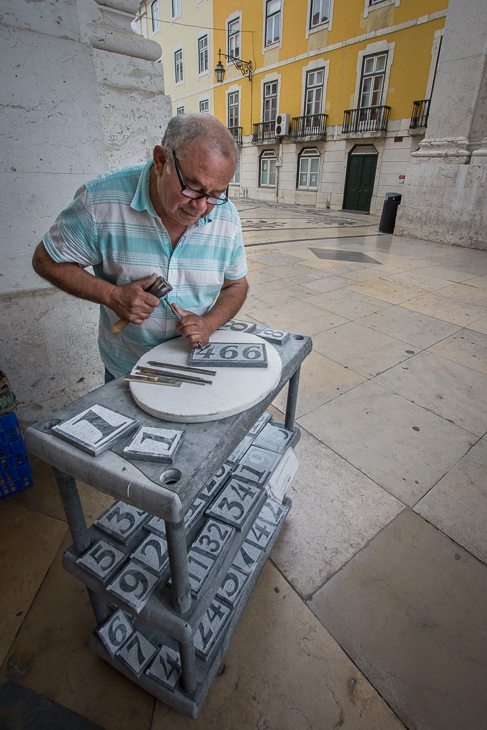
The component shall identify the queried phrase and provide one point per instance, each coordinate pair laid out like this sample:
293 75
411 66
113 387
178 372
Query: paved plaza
370 614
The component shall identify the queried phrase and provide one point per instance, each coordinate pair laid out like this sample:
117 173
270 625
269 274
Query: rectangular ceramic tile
211 627
122 521
274 438
153 554
416 329
476 296
95 429
401 446
257 465
115 632
102 560
446 308
466 348
420 593
260 533
154 444
347 303
276 337
134 585
232 586
234 504
165 667
387 290
213 538
229 355
137 652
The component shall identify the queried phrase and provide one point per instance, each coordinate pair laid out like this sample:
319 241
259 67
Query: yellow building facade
337 99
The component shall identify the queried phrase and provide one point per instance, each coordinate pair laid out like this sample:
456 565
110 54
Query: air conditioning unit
282 124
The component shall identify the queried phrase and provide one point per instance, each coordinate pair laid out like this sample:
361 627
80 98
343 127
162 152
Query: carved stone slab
232 587
134 585
260 533
274 438
211 628
154 444
194 513
277 337
282 476
240 450
102 560
115 632
260 423
213 538
257 465
166 667
95 429
137 652
152 553
272 512
247 557
235 502
121 521
230 355
214 485
157 525
199 568
238 325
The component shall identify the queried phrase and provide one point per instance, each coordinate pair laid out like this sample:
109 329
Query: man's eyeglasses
195 194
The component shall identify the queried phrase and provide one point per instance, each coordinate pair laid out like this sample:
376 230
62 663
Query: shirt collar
141 200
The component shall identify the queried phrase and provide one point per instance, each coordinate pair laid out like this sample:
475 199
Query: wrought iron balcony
419 117
366 119
264 132
236 133
311 125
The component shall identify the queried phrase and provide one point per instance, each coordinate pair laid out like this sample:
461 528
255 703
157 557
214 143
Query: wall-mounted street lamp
245 67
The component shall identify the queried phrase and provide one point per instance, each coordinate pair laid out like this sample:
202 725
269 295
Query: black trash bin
389 212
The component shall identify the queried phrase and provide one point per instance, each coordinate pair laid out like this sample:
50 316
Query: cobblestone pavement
369 615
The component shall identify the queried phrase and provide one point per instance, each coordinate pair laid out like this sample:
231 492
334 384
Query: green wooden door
359 182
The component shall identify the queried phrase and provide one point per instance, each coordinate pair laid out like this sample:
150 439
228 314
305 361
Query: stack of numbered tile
15 471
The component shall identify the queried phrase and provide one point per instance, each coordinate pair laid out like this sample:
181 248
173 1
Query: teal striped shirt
112 226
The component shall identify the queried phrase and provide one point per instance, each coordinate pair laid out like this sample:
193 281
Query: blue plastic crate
15 480
13 462
12 448
9 422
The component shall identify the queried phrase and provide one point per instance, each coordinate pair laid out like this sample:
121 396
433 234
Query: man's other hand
132 302
193 327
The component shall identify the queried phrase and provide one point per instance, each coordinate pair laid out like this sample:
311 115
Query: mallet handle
119 326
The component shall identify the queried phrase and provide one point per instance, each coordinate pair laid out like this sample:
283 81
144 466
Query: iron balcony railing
311 125
419 117
264 131
366 119
236 133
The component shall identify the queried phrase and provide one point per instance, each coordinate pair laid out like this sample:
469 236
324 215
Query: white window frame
178 49
322 26
233 90
204 71
180 110
371 50
272 157
371 5
175 9
238 50
155 19
314 65
236 176
374 74
202 102
308 153
277 43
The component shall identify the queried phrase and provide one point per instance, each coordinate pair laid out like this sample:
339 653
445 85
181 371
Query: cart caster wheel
221 669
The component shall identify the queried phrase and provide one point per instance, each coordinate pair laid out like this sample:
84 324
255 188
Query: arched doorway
359 182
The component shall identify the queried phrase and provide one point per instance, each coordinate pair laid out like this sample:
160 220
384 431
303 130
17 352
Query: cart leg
178 561
79 532
292 399
188 665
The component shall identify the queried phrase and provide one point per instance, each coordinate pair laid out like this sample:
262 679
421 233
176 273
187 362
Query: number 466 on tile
230 355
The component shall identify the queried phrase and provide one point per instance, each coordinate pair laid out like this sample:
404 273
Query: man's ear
160 158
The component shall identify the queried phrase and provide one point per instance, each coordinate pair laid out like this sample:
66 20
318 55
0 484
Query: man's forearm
229 302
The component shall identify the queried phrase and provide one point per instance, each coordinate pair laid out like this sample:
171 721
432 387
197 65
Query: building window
203 54
233 110
314 92
272 21
178 66
175 9
268 169
320 13
270 103
372 82
180 110
309 165
154 11
234 38
236 178
204 105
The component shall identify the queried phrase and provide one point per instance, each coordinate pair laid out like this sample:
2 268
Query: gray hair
183 129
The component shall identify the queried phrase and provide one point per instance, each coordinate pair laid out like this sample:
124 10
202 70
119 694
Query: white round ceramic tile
232 391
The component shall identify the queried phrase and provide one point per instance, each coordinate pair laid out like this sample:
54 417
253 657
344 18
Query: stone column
445 193
81 94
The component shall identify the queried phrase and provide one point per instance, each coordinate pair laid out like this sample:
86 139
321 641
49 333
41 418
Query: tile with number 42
230 355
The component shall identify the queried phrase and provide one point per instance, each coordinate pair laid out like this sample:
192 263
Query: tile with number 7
137 652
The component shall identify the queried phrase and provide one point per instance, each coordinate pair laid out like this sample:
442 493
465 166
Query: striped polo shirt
112 226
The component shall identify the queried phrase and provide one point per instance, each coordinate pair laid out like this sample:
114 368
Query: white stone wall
70 111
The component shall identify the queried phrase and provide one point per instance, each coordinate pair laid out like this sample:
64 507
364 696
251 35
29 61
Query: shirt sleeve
73 237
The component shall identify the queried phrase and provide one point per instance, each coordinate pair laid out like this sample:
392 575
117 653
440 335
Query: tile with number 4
230 355
115 632
166 667
234 504
137 652
211 628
